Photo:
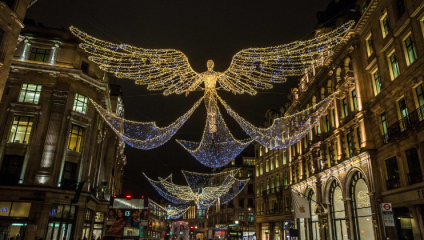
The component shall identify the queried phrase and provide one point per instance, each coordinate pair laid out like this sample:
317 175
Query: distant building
12 14
53 140
240 210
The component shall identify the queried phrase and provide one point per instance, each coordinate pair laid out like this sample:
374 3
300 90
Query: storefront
287 225
14 219
220 231
61 222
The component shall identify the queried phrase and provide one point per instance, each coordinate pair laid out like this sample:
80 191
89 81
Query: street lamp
237 222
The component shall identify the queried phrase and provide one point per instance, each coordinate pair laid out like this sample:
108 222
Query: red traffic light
142 196
128 196
114 196
191 227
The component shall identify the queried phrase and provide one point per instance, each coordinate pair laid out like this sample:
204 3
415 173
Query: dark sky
202 29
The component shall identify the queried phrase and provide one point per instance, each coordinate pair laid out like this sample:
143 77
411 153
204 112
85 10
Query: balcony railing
408 122
393 183
259 213
415 177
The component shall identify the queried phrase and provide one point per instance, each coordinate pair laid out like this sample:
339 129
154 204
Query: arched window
361 206
338 74
313 228
337 212
322 93
329 87
314 101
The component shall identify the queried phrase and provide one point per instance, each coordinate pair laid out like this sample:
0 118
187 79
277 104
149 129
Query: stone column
271 231
47 165
258 231
348 216
53 54
27 50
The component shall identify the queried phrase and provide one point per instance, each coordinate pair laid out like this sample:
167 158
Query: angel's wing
258 68
160 69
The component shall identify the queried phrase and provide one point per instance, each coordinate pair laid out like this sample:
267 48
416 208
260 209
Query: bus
135 217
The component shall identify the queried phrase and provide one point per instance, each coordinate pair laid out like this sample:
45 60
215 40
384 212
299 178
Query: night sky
202 30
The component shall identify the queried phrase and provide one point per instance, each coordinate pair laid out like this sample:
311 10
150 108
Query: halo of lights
143 135
175 212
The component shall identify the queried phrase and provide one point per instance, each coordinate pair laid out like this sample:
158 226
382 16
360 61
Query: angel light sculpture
168 70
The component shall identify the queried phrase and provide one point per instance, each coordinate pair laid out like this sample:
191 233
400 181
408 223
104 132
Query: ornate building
53 141
368 148
12 14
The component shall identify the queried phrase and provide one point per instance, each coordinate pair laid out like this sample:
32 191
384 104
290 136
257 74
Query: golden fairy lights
203 189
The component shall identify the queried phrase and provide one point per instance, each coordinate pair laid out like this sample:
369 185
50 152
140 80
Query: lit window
39 55
267 165
80 103
377 82
327 122
233 162
420 95
384 127
248 161
75 138
354 99
277 161
394 65
30 93
385 25
284 157
21 129
411 54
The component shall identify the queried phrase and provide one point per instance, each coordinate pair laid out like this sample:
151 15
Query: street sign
388 219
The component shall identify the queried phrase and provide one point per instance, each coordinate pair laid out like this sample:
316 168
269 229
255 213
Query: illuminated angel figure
251 69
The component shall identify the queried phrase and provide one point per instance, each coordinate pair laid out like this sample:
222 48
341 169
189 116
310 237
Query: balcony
415 177
411 120
393 183
259 213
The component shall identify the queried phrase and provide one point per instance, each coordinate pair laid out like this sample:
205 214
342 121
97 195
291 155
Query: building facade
241 209
12 14
368 147
53 141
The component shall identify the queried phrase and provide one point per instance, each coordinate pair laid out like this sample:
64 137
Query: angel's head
210 65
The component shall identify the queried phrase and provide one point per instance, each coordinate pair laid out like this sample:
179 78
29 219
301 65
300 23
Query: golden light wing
159 69
259 68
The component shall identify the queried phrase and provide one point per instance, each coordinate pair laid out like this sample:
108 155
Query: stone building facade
241 209
52 141
368 147
12 14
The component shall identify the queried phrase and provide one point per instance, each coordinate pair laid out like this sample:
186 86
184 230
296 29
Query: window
327 123
75 138
354 99
241 203
249 173
361 208
329 87
394 66
241 217
80 103
257 170
284 157
84 67
201 213
370 45
250 217
39 55
411 53
358 132
385 25
241 173
318 131
349 145
338 212
334 117
402 108
69 176
286 180
384 127
414 175
30 93
250 188
11 168
272 164
248 161
377 82
393 178
233 162
420 97
322 93
278 181
260 151
21 129
364 8
345 107
400 4
261 168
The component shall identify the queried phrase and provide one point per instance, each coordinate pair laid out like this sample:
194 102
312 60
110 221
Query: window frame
24 141
46 55
376 88
406 49
24 92
370 44
79 135
391 63
385 24
84 103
